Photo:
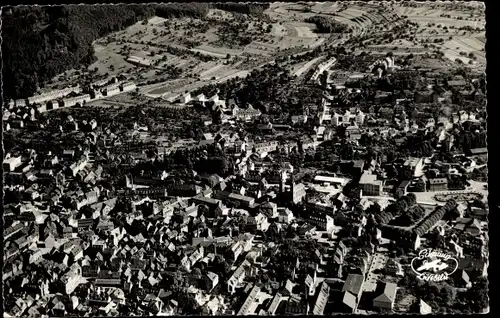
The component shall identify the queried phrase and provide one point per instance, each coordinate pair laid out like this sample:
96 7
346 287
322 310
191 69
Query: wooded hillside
41 42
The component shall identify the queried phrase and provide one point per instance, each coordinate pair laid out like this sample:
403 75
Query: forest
42 42
325 25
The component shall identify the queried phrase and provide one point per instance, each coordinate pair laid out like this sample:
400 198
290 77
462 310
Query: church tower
283 177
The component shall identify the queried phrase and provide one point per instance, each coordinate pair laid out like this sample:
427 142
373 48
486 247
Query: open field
216 51
442 22
301 30
326 7
306 66
466 45
140 51
168 86
456 18
219 14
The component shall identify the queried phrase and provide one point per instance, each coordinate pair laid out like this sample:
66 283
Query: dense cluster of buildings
21 112
82 239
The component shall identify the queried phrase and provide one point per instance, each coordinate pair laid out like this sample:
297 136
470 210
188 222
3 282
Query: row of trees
396 209
244 8
177 10
326 25
410 216
434 217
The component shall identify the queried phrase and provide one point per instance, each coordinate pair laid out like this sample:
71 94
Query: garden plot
184 63
232 73
216 52
171 60
481 39
304 31
348 14
292 42
317 43
427 15
325 7
209 53
403 43
146 54
157 21
214 72
201 67
137 60
278 30
463 45
300 30
473 44
445 21
108 61
259 48
169 86
354 13
404 300
220 15
346 20
467 45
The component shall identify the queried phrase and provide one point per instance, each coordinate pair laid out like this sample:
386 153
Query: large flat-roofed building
247 114
438 184
320 207
264 148
243 200
330 180
12 163
370 185
210 202
479 151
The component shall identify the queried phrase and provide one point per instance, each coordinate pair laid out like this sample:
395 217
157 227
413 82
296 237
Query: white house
185 98
12 163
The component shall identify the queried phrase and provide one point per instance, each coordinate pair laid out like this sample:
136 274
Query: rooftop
353 284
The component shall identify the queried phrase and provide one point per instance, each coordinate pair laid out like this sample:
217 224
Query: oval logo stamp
433 265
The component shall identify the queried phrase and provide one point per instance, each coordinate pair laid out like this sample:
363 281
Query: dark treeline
177 10
41 42
245 8
325 25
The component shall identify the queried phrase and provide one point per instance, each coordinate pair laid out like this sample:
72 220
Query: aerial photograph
271 158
